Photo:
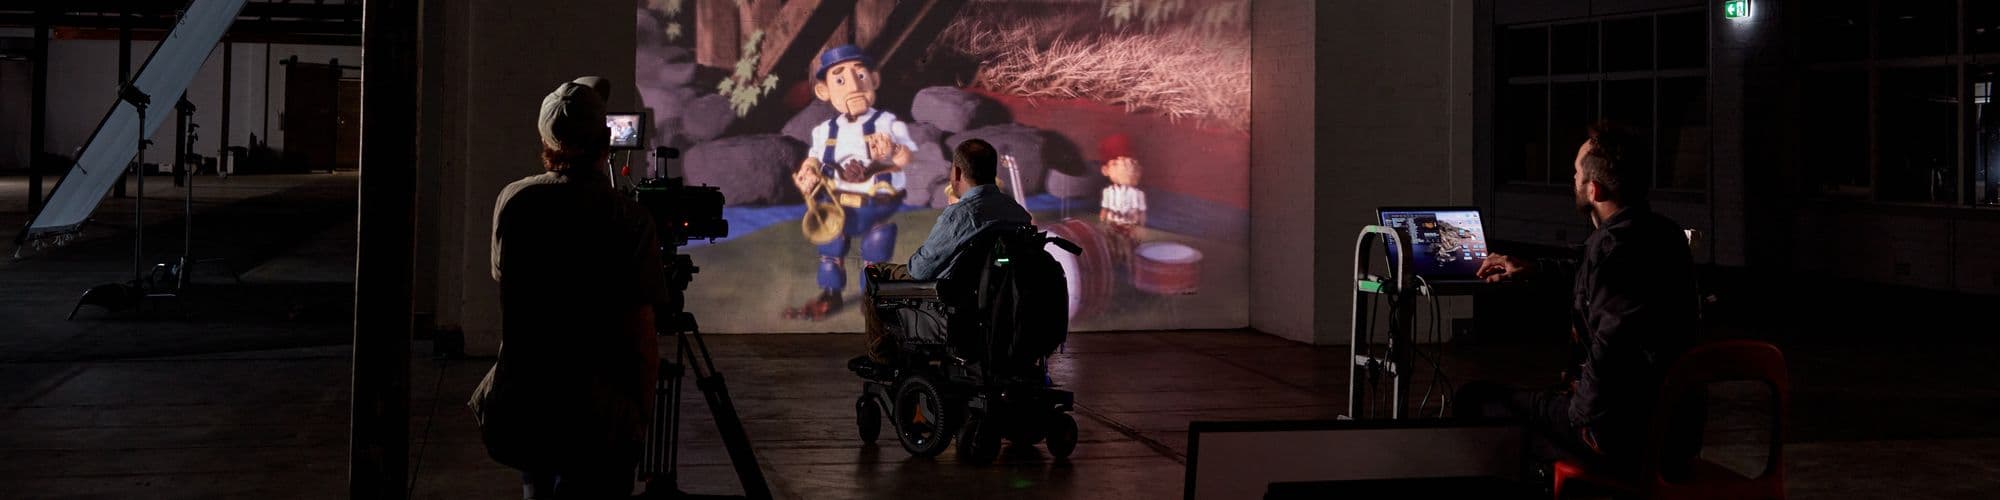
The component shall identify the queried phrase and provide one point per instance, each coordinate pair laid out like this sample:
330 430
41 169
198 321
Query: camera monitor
628 130
1446 244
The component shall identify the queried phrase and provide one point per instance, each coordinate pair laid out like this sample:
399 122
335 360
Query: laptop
1447 244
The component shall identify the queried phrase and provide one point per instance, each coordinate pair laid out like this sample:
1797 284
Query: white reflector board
165 76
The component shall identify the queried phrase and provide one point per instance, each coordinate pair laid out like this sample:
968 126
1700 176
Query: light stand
183 267
119 296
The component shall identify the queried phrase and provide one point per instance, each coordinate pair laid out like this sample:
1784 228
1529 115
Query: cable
1425 401
423 440
1438 375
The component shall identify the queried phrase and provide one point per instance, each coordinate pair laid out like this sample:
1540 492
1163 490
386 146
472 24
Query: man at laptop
1633 313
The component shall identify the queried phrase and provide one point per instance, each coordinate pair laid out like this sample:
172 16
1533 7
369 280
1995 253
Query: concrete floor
241 390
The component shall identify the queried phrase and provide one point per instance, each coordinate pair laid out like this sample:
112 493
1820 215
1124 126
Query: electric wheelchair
971 350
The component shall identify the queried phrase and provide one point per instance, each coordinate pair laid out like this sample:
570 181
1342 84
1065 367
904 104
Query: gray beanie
573 116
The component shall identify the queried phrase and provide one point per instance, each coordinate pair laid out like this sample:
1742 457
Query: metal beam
38 119
352 40
124 75
253 10
228 74
378 447
160 25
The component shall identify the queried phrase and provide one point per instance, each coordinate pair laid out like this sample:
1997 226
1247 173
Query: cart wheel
1061 435
868 419
979 443
925 421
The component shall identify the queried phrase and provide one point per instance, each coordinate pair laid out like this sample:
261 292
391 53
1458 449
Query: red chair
1724 361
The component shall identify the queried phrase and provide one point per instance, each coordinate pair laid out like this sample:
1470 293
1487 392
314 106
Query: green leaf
726 87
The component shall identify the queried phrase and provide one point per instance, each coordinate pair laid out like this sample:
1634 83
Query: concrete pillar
379 439
1282 259
1402 136
228 77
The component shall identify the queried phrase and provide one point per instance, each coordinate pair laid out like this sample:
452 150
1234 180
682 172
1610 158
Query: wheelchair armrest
1066 245
898 289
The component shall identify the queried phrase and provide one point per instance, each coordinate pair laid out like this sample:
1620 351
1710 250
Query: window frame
1547 81
1961 61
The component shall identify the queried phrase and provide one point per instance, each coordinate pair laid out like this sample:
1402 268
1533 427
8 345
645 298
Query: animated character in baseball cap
859 155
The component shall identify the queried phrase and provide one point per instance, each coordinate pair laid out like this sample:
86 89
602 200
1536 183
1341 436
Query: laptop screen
1445 243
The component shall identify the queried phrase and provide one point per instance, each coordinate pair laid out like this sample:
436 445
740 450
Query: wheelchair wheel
925 420
1061 435
979 442
868 419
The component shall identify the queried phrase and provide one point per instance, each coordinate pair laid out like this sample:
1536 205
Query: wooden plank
717 33
760 14
843 34
907 48
870 19
797 35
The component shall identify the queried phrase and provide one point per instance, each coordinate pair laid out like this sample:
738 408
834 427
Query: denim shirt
959 222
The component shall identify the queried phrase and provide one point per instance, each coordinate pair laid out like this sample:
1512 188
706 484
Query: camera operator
580 273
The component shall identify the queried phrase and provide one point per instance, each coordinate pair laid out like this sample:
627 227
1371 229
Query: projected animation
856 172
1122 124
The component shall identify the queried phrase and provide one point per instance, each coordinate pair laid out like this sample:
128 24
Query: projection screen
164 77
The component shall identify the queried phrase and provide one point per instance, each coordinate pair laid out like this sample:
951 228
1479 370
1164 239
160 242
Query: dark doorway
312 116
347 149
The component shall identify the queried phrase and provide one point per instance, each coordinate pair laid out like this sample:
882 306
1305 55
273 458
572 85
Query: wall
491 140
83 78
16 92
1282 260
1387 119
1394 106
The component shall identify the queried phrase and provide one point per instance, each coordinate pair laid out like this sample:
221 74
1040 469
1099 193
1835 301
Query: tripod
661 461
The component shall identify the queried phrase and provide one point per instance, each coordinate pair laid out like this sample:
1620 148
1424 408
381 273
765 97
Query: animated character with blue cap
862 151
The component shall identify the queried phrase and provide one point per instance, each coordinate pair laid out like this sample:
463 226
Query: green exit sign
1736 9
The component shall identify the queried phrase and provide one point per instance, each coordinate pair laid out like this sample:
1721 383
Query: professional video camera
681 213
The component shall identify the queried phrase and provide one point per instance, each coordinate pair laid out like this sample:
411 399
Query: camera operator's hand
1497 268
807 176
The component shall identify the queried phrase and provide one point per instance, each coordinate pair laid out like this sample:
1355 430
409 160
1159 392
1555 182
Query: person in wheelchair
974 167
959 340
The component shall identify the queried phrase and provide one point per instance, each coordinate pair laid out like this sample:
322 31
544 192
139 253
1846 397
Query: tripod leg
727 424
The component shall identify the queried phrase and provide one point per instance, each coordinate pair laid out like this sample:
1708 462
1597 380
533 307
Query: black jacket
1634 312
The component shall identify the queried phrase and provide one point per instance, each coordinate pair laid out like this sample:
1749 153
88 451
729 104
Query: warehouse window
1647 72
